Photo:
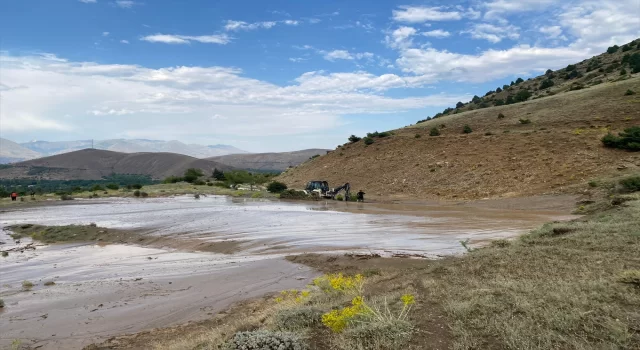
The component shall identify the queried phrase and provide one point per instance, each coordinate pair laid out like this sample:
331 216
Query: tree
499 102
113 186
498 90
509 100
634 62
459 105
218 175
512 83
467 129
548 72
613 49
519 81
276 187
505 87
571 67
434 131
192 174
475 99
368 141
626 48
354 138
546 84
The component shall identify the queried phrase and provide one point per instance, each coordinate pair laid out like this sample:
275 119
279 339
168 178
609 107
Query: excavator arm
347 189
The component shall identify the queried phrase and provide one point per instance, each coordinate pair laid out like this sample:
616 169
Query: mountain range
11 152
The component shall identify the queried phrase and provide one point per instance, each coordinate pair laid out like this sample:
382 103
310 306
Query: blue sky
275 75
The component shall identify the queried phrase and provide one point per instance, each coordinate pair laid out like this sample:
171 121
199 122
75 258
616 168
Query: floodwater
106 290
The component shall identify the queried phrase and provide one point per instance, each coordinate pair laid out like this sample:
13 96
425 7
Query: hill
11 152
549 143
47 148
93 164
268 161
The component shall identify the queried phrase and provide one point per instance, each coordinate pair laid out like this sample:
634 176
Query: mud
110 289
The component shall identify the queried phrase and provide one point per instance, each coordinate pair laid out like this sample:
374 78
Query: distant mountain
11 152
93 164
47 148
268 161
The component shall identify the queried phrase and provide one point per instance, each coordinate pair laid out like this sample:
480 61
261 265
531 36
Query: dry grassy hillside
559 151
268 161
93 164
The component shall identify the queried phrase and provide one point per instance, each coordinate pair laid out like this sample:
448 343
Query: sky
276 75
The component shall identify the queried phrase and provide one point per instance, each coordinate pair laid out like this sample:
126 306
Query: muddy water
101 291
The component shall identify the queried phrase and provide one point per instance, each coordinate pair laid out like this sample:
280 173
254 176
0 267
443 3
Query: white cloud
346 55
105 33
124 41
553 32
419 14
314 20
495 8
155 103
401 37
125 4
291 22
88 1
493 33
438 33
221 39
297 59
488 65
240 25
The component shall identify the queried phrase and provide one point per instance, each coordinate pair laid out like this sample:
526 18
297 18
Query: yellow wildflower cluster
293 295
408 299
337 320
340 283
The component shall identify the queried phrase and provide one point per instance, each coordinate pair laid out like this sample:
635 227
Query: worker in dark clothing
14 196
360 196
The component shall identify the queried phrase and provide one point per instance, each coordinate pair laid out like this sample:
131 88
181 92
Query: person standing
360 196
14 196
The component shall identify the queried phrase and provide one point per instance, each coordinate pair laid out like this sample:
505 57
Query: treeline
25 186
222 179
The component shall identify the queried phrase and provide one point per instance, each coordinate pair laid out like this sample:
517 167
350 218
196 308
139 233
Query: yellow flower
408 299
305 293
278 300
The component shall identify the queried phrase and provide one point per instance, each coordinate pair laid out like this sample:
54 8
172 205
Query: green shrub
66 197
631 184
144 194
623 71
500 116
546 84
294 194
257 195
418 136
97 188
113 186
136 186
519 81
459 105
298 319
136 193
276 187
192 174
209 183
629 139
199 182
593 183
1 302
265 340
434 132
629 92
354 138
368 141
172 179
467 129
571 67
525 121
613 49
5 254
522 96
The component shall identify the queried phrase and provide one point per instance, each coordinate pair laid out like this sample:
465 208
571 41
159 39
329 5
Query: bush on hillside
629 92
613 49
97 188
354 138
368 141
136 186
500 116
459 105
276 187
626 48
629 139
476 99
623 71
525 121
498 102
467 129
548 72
522 95
634 62
144 194
192 174
113 186
571 67
519 81
505 87
418 136
136 193
498 90
546 84
631 184
434 132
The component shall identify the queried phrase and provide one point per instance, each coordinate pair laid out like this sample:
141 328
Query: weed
66 197
376 336
5 254
629 92
136 193
465 245
1 304
257 195
15 344
631 277
488 133
467 129
144 194
49 283
418 136
339 197
500 243
593 183
631 184
27 285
